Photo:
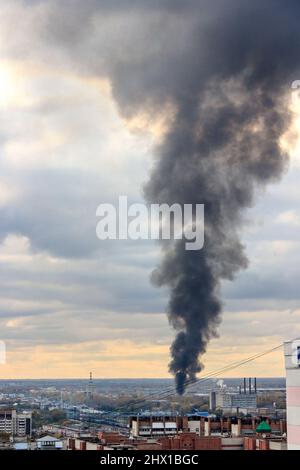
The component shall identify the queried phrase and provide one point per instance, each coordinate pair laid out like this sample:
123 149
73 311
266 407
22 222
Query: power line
215 373
170 391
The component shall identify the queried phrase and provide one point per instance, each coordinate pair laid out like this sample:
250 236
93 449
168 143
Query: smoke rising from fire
226 67
232 110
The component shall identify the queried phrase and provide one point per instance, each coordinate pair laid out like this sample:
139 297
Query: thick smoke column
226 67
224 142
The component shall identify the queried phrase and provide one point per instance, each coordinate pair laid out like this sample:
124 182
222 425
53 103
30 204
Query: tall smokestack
249 385
255 389
245 390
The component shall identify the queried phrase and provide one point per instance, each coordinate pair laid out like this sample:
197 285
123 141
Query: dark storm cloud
226 67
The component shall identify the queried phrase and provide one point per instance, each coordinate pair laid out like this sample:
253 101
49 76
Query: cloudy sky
70 303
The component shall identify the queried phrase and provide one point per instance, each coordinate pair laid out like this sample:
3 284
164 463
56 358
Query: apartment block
14 423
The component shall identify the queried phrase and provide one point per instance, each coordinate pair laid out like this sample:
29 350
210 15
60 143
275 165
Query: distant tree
40 417
57 416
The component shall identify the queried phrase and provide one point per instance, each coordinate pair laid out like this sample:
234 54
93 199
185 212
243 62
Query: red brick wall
249 443
263 444
208 443
82 445
112 437
149 446
71 444
190 441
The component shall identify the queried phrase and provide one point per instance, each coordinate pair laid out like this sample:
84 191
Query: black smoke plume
231 104
226 68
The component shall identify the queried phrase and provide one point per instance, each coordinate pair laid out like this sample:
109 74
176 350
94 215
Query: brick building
190 441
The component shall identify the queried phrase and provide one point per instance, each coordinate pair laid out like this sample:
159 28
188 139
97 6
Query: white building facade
235 400
292 367
146 425
49 443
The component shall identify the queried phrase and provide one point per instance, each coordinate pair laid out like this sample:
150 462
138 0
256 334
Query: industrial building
235 401
245 399
292 366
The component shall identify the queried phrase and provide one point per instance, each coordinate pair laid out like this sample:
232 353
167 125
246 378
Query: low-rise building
49 443
237 427
187 441
260 443
156 424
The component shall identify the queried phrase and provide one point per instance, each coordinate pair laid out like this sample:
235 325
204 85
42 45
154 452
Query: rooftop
47 439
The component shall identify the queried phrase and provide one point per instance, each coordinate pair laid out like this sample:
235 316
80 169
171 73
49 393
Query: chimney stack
249 385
